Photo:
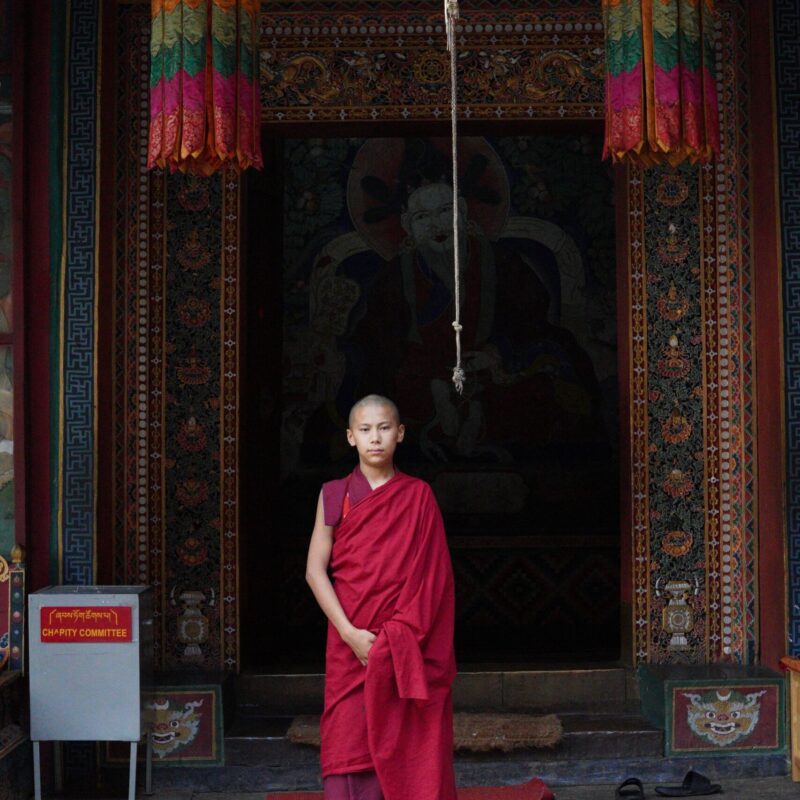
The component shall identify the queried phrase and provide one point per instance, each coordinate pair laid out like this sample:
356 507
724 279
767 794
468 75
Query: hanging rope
451 14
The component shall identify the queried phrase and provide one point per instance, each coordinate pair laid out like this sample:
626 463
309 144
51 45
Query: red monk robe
392 574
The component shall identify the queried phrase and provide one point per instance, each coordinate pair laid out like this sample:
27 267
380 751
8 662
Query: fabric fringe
205 110
661 98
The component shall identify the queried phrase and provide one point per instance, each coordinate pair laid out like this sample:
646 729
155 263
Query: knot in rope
458 327
458 379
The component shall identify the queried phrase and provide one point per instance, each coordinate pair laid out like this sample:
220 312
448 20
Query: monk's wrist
346 631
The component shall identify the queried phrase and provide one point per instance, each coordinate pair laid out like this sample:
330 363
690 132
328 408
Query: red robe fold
392 574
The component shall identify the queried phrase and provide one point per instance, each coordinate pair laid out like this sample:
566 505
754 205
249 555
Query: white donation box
90 653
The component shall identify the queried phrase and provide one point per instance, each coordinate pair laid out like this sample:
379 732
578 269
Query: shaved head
374 400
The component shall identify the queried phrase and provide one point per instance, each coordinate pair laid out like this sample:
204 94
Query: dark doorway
348 291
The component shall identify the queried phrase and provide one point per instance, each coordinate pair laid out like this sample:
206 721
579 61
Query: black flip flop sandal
630 789
694 785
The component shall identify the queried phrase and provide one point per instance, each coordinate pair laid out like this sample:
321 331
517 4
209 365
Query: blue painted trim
78 428
787 57
58 14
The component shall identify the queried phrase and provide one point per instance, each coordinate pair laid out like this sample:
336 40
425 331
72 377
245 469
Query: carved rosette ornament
192 625
677 615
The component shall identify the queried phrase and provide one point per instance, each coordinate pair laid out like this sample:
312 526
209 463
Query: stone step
586 736
275 765
586 689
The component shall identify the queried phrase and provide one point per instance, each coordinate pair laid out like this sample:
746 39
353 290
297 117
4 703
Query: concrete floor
780 788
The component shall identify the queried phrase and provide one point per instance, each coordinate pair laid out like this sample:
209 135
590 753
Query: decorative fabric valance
661 98
204 89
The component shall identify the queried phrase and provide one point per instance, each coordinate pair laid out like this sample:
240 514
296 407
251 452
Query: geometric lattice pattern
567 595
78 333
787 74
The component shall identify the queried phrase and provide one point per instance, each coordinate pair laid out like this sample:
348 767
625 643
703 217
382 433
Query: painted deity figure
515 357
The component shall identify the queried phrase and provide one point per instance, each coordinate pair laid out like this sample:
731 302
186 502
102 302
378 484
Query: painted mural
530 448
369 304
690 381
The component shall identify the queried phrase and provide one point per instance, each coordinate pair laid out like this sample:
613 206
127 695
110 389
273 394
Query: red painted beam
32 62
771 439
625 445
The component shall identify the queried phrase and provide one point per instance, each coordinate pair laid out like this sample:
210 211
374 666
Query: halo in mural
386 171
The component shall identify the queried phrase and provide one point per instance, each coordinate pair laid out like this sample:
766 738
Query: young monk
387 727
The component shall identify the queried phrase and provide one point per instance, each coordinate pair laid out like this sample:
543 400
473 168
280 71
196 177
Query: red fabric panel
339 496
391 571
355 786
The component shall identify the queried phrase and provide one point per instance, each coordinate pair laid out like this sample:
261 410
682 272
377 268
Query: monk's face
375 433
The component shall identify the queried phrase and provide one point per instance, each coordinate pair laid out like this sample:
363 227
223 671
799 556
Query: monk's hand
360 641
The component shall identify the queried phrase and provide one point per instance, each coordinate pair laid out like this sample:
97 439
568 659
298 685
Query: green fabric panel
665 18
183 27
223 26
224 58
55 151
248 65
156 34
246 61
7 518
171 28
194 23
709 59
190 57
167 29
668 53
623 26
665 51
707 22
691 53
625 55
156 68
690 21
623 21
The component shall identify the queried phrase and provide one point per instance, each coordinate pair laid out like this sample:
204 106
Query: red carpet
533 790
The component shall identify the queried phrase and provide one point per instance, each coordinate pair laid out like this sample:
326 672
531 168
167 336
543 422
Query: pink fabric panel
181 92
691 87
668 87
353 786
625 90
246 96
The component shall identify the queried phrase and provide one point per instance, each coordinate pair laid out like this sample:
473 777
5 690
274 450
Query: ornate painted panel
525 463
692 400
176 401
688 274
514 64
187 728
725 719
